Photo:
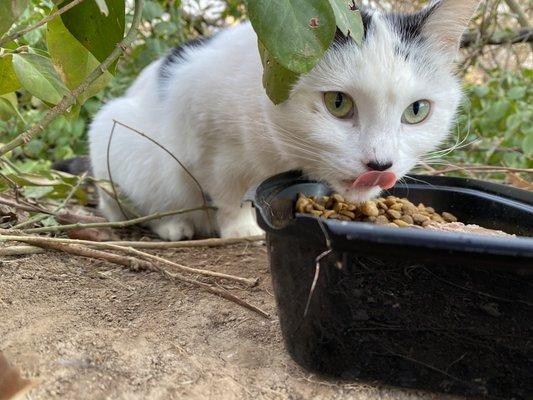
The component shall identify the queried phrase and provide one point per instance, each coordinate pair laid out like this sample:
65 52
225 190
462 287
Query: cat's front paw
241 230
172 229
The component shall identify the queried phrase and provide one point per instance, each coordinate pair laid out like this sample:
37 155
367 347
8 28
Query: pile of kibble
390 210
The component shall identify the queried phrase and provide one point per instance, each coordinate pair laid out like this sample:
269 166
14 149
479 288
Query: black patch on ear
340 39
177 55
409 26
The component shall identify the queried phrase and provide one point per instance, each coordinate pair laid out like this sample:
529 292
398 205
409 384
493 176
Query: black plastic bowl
408 307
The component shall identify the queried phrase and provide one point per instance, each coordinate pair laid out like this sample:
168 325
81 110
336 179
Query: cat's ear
447 21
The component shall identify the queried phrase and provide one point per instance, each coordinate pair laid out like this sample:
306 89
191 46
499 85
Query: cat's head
381 106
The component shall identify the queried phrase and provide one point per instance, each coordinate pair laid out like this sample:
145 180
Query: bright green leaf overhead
277 80
37 75
97 32
348 19
73 61
8 79
295 32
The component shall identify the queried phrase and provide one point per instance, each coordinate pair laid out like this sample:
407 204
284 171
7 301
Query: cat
360 120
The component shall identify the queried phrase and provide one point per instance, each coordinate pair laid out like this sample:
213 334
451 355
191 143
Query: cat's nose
379 166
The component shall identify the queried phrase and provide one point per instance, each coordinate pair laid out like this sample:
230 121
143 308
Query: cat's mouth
372 179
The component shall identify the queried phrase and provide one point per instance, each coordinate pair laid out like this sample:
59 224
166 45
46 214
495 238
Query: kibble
390 211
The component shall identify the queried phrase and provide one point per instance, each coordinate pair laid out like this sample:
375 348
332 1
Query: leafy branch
17 34
70 98
294 35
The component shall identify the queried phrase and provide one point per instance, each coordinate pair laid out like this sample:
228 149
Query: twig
111 181
15 35
71 97
128 262
116 224
5 235
71 194
524 35
480 168
189 173
24 207
213 242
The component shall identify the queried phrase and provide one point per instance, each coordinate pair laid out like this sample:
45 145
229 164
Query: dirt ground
85 329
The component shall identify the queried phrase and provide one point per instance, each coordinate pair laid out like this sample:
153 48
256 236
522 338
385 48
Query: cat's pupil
338 100
416 107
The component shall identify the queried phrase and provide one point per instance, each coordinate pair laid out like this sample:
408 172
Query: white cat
379 107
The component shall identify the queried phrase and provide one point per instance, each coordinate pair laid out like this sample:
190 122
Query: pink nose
378 166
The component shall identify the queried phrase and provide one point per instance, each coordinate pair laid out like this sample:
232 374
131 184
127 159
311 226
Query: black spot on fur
409 26
177 55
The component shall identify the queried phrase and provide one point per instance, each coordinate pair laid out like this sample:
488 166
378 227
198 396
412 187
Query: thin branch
116 224
70 195
70 98
89 245
24 207
130 263
189 173
480 168
212 242
15 35
524 35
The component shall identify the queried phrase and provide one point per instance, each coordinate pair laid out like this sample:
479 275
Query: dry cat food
391 210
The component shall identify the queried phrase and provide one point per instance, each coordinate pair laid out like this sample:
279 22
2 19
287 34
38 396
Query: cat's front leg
237 222
173 228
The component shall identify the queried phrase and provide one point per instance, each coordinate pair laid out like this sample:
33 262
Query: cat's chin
355 194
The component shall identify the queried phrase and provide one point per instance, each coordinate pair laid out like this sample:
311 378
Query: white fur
213 114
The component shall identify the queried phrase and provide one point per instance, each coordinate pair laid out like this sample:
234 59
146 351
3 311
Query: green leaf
8 79
10 104
527 144
277 80
7 16
103 7
348 20
296 33
96 32
165 28
37 75
516 93
73 61
152 10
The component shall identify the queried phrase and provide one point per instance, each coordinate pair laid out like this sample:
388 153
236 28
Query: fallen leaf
12 385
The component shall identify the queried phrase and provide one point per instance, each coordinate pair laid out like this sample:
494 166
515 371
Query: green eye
340 105
416 112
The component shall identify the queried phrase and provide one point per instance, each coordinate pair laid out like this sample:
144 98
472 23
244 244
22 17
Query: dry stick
23 207
70 195
213 242
111 181
71 97
116 224
480 168
524 35
6 235
189 173
15 35
131 263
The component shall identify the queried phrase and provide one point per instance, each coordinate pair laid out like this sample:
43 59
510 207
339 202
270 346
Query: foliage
310 25
38 68
496 118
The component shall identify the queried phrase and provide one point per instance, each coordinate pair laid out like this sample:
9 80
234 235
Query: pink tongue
384 180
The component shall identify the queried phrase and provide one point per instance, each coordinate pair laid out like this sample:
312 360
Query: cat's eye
416 112
339 104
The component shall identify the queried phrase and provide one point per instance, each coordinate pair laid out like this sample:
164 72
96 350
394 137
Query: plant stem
15 35
71 97
117 224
